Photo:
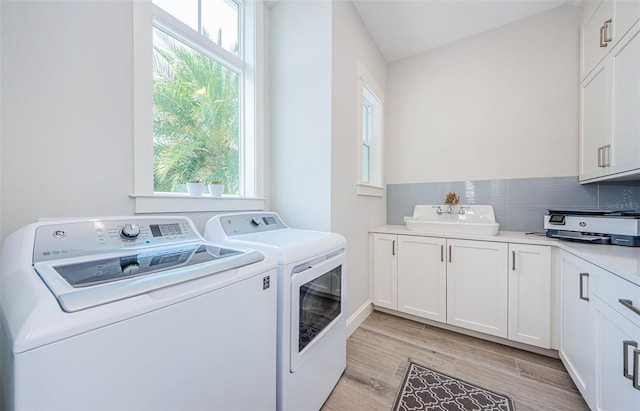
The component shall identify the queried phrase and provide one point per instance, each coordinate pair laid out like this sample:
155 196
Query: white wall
503 104
352 215
67 129
300 153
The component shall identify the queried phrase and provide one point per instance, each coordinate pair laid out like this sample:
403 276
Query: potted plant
195 188
216 188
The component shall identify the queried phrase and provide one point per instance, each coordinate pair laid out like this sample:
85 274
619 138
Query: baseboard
525 347
358 317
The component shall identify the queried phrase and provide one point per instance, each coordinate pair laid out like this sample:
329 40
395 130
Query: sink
473 219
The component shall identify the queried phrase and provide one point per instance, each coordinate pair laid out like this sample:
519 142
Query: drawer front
620 294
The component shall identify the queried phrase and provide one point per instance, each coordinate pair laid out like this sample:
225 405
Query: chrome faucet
449 210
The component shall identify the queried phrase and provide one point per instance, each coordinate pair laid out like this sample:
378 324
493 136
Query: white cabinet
530 294
385 271
422 277
604 24
616 350
467 284
477 286
609 102
577 336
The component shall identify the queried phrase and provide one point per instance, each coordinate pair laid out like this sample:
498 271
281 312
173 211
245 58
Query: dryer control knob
256 220
130 231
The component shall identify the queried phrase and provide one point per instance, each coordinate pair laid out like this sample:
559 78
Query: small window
370 140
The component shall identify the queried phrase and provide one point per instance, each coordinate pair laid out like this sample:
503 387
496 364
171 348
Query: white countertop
620 260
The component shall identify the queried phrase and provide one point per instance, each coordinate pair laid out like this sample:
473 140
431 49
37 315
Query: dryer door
316 305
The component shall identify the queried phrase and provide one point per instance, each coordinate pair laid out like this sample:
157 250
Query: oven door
317 304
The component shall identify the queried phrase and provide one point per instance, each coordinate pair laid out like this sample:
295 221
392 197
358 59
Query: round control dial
256 220
130 231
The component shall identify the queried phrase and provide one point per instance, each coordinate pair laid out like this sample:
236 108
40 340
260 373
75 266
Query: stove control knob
130 231
256 221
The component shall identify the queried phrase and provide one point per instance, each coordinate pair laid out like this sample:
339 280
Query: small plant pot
195 189
216 190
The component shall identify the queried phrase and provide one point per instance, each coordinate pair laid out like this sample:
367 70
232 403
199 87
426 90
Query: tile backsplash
520 203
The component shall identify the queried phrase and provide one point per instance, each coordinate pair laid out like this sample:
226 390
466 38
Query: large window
200 98
196 94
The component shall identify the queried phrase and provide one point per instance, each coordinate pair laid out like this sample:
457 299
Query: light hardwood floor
378 351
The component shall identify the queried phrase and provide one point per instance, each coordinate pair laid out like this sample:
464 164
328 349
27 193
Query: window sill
180 203
369 190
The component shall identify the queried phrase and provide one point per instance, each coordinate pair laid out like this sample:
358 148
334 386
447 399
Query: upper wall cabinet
610 93
604 23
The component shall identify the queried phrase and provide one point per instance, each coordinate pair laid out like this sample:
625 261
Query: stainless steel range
618 227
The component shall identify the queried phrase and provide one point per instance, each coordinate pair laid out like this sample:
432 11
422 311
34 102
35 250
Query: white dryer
311 302
134 313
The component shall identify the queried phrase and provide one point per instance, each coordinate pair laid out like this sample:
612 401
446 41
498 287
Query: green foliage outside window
195 118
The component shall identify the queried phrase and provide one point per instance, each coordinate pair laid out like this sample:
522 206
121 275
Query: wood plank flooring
378 351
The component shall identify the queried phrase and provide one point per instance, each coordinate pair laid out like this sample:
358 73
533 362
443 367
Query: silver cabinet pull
606 155
601 156
441 253
636 360
449 253
629 305
393 247
602 42
607 31
625 357
513 261
582 277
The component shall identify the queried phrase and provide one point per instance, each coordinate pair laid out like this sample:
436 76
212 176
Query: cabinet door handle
602 42
449 253
607 30
636 361
513 261
629 305
606 155
582 276
393 247
600 157
625 357
441 253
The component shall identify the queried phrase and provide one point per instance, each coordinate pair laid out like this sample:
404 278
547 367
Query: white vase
216 190
195 189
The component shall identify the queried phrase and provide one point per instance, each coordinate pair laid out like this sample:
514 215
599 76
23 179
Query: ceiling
402 28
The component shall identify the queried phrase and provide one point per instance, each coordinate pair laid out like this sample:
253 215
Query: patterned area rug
425 389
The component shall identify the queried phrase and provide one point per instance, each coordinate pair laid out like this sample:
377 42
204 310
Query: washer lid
82 283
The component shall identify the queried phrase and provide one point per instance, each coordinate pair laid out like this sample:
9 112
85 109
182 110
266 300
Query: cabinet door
625 14
530 294
615 392
594 120
577 326
385 271
625 97
477 286
422 277
592 45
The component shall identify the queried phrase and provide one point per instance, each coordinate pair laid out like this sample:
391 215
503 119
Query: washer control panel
248 223
73 239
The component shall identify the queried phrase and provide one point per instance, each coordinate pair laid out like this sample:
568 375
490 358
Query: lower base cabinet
599 335
490 287
477 286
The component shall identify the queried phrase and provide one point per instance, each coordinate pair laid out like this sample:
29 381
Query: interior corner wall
300 135
352 215
502 104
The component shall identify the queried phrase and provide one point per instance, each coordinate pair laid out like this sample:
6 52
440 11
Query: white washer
311 302
135 313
